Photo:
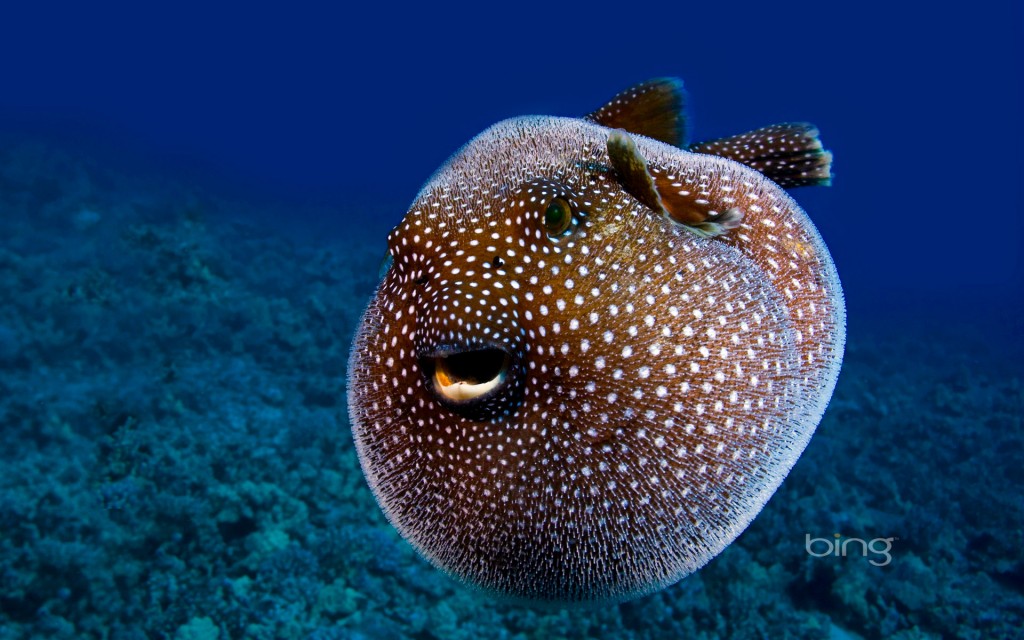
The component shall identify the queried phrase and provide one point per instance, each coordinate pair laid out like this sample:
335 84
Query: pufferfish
596 351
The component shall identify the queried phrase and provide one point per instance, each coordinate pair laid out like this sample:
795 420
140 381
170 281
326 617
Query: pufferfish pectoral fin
789 154
659 194
654 109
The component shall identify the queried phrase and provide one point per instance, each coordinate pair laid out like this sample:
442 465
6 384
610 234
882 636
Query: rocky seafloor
176 459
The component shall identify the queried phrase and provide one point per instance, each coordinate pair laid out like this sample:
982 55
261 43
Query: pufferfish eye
557 217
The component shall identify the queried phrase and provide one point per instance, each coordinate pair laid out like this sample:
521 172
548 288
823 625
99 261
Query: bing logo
840 547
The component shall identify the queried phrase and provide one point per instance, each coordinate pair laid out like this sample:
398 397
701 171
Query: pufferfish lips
595 355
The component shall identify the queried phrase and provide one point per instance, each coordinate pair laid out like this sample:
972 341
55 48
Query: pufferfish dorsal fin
653 109
657 193
789 154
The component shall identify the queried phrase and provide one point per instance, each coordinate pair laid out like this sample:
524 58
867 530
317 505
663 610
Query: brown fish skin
790 154
658 385
655 109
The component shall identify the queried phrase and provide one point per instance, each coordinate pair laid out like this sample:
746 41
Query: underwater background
193 205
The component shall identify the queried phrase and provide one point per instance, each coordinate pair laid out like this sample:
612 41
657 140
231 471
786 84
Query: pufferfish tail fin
789 154
654 109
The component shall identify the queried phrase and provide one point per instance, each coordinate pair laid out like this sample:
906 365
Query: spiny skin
661 387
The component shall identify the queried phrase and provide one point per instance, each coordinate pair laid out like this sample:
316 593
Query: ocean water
193 204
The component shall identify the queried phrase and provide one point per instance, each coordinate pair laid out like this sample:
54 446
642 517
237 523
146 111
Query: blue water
193 203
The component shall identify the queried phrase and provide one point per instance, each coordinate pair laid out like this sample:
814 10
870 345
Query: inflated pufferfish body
595 355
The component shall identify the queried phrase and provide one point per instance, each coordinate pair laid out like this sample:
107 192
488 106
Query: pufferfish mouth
465 377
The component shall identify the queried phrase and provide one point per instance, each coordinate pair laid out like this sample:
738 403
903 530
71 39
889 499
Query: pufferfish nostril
463 377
